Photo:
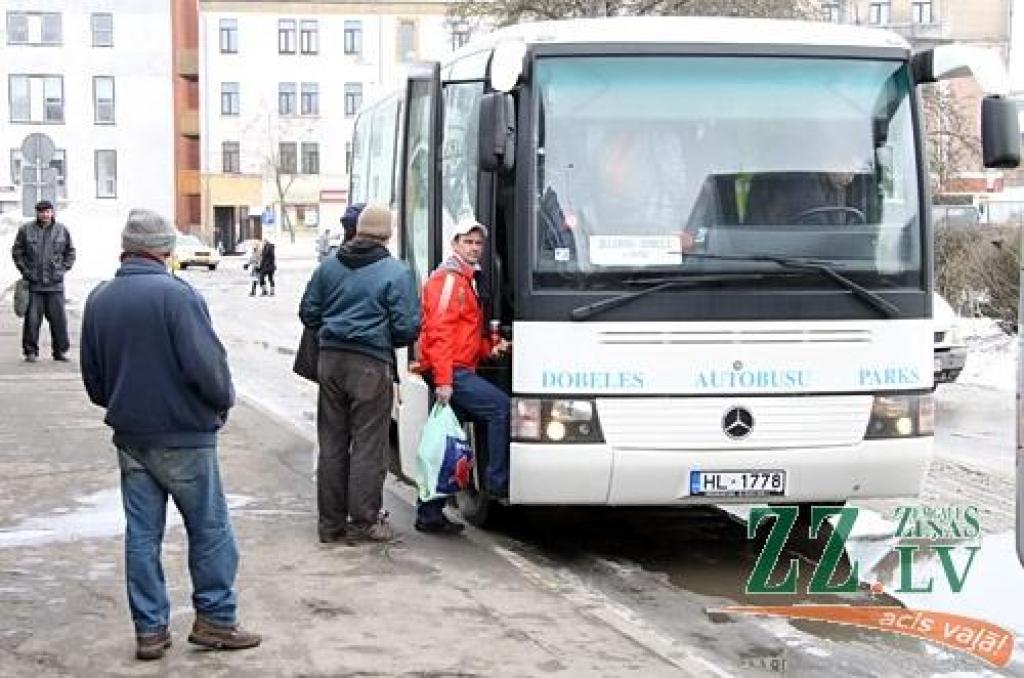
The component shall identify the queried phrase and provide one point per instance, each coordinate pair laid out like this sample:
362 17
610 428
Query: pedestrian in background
268 264
43 253
150 357
254 266
364 301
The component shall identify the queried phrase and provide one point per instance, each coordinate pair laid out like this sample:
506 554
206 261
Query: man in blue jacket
364 301
151 358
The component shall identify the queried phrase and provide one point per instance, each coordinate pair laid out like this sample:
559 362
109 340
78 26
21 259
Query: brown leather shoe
149 646
219 637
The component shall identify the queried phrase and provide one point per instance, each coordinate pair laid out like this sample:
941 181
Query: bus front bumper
603 475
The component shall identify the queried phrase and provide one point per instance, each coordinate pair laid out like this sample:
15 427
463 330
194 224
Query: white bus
711 249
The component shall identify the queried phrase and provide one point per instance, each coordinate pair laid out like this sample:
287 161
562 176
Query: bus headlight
554 421
901 416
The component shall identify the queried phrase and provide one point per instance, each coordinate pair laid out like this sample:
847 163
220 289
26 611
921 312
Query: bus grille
699 423
717 337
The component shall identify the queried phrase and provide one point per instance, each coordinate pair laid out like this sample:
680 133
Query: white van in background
950 346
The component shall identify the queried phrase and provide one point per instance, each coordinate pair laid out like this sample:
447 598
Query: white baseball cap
467 224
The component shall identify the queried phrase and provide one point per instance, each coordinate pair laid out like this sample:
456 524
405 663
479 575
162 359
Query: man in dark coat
43 253
268 264
150 357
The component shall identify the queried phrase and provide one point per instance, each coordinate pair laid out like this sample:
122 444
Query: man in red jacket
452 342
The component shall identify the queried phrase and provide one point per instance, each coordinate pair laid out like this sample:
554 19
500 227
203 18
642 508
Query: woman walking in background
254 266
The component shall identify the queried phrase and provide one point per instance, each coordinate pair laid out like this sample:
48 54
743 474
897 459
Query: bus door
418 218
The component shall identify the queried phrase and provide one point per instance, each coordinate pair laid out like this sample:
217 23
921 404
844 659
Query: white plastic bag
444 459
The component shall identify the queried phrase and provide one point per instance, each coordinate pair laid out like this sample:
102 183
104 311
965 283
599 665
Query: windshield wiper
867 296
656 285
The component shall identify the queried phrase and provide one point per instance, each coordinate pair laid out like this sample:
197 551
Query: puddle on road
97 515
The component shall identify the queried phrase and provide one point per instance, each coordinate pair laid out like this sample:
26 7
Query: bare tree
282 171
953 144
505 12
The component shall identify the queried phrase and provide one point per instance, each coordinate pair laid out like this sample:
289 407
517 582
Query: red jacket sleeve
440 317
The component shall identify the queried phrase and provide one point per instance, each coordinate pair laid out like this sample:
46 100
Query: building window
879 13
922 12
102 30
229 36
17 28
33 28
232 157
353 37
830 11
406 40
51 29
353 98
310 98
106 174
103 99
460 36
57 162
309 37
311 158
286 36
229 99
287 160
36 98
286 98
348 157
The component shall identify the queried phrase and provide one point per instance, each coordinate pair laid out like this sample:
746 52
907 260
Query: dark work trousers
353 419
264 277
51 306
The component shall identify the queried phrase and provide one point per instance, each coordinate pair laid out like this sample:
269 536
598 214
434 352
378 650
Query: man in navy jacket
150 357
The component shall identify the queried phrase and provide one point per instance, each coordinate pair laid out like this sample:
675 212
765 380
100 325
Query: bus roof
697 30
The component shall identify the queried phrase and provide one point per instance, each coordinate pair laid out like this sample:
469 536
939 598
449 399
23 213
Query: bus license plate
738 483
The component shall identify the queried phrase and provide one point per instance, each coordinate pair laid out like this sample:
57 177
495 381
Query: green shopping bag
443 458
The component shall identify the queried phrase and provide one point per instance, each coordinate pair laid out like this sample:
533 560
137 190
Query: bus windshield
644 160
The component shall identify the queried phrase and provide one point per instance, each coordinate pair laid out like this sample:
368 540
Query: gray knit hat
147 231
375 222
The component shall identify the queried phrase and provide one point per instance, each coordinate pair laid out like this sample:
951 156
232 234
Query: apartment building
927 23
91 77
281 85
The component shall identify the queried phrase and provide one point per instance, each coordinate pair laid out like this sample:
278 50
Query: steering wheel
814 211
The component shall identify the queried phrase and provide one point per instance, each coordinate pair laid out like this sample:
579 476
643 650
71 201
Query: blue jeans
478 400
191 477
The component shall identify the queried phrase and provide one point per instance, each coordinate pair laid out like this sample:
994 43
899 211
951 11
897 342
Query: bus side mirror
1000 133
497 132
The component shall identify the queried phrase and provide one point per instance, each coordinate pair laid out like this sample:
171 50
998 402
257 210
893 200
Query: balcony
187 63
188 182
188 123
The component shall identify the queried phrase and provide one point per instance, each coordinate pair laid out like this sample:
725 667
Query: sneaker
443 526
150 646
31 358
219 637
61 357
379 532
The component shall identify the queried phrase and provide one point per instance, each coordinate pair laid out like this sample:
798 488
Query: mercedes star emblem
737 422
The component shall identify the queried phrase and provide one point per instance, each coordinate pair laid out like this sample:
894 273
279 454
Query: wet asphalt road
659 572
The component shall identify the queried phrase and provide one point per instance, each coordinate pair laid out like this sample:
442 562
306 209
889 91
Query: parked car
190 251
950 346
